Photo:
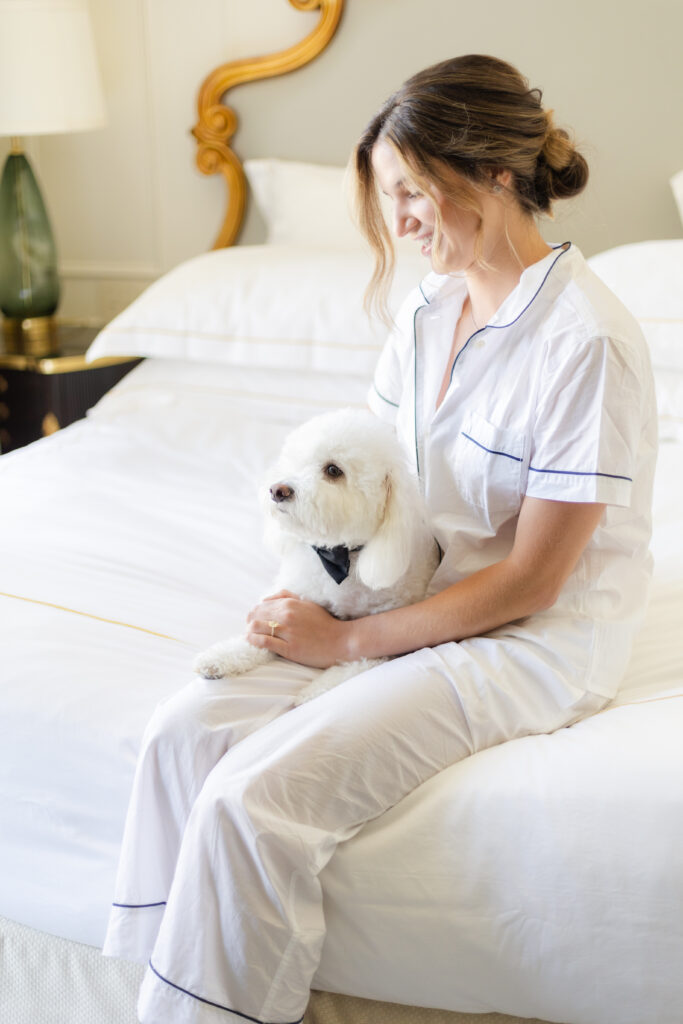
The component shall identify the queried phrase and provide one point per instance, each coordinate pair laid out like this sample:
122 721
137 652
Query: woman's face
413 215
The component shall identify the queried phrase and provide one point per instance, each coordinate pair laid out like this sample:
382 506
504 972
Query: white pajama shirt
240 799
553 399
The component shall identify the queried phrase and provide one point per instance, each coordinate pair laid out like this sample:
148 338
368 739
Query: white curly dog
347 519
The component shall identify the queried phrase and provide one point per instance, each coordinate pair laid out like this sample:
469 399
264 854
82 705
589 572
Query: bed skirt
48 980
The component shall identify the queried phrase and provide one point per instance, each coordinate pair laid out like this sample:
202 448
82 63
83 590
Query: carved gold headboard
218 122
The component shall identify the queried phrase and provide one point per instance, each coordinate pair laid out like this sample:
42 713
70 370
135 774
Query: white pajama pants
240 800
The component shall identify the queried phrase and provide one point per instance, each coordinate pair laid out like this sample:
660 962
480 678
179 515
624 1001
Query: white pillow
263 306
310 205
303 204
648 278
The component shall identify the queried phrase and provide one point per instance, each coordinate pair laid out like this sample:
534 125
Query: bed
539 880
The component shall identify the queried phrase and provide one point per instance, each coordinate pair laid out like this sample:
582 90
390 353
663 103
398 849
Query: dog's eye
332 471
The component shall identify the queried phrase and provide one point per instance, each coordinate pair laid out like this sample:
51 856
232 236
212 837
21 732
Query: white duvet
541 878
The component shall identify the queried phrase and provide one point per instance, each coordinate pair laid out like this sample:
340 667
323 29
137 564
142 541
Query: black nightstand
40 395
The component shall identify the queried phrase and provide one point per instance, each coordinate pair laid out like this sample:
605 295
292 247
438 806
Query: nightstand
40 395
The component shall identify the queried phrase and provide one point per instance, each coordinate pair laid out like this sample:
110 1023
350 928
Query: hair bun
561 171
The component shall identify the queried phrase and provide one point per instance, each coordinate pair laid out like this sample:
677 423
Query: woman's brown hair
456 125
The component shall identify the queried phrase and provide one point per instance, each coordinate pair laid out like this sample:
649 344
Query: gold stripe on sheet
175 640
97 618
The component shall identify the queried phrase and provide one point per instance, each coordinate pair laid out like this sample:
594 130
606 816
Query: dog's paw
231 658
209 665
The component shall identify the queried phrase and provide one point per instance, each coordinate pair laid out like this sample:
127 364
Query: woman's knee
175 719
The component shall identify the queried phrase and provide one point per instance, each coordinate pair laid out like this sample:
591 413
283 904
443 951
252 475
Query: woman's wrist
351 643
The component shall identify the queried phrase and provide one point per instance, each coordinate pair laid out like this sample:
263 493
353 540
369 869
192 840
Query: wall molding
88 270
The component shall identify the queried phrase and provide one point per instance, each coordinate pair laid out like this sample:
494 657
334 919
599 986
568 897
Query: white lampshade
49 78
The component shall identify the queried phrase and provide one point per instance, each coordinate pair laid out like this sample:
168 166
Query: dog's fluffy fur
341 480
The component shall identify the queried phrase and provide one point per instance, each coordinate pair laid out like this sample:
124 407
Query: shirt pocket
489 461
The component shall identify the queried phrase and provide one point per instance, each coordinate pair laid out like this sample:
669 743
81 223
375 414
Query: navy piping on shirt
384 398
535 469
208 1002
491 451
502 327
377 391
564 247
426 303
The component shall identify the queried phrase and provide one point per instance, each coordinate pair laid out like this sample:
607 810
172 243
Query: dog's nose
281 492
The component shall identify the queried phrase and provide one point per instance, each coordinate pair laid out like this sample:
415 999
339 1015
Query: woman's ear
501 179
386 557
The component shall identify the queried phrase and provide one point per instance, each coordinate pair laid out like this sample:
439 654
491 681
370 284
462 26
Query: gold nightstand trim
71 364
60 364
50 424
98 618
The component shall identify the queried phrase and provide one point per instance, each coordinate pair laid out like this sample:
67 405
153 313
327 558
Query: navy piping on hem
139 906
573 472
208 1002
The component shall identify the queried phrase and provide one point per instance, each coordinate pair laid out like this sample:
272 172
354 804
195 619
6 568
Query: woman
522 390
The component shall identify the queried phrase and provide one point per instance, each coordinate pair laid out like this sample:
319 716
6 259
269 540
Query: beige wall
127 202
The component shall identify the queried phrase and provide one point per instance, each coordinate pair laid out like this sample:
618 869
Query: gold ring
273 627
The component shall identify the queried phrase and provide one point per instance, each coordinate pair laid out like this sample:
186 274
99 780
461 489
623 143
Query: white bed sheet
542 878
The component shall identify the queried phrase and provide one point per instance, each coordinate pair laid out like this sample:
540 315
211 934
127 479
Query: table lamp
49 83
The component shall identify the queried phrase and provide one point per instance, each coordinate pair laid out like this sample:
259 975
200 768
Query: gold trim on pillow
248 340
218 122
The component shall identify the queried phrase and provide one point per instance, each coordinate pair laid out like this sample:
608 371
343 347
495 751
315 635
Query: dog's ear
386 557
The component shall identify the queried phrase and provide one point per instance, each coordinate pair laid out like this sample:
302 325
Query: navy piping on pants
139 906
245 1016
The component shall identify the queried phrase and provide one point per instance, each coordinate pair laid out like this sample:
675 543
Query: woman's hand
549 540
298 630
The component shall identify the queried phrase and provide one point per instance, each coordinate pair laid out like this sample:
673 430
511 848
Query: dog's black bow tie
337 561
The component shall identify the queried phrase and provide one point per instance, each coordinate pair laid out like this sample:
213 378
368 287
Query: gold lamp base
35 337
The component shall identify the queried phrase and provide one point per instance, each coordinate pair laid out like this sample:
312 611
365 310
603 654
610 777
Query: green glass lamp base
29 285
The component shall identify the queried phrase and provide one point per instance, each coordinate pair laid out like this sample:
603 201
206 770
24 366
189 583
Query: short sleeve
588 423
384 397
